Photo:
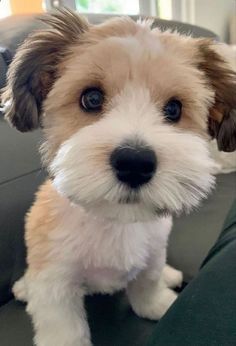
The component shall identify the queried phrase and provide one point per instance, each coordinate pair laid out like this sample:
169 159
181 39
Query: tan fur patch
43 217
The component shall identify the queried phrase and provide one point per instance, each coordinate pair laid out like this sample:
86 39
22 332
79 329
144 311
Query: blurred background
218 16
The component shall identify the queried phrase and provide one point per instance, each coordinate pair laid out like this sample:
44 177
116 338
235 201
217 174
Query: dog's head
126 112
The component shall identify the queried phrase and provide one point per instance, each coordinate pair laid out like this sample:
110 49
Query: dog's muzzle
134 165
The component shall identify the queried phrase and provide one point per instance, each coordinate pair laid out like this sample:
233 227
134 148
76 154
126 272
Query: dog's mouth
130 198
133 198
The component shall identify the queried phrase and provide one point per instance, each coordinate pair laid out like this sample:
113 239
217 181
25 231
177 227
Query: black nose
134 166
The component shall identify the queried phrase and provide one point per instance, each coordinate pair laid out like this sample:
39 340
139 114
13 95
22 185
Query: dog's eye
92 99
173 110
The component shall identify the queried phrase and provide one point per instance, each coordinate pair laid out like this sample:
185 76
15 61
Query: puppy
126 112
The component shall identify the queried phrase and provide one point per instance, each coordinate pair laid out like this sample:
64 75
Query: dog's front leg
57 311
149 295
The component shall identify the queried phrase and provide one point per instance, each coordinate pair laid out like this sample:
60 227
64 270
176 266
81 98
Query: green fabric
205 312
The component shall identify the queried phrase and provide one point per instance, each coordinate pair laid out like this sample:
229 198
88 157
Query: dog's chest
106 254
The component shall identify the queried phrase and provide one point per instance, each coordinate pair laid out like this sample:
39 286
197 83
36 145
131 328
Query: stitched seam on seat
20 176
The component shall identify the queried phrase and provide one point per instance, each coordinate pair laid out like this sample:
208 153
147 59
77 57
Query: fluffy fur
87 232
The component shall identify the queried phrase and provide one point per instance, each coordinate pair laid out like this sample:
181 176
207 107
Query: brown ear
34 68
222 79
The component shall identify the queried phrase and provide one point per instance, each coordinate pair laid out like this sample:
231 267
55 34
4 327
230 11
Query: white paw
156 305
19 290
172 277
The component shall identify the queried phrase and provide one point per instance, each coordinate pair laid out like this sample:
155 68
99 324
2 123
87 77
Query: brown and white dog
126 112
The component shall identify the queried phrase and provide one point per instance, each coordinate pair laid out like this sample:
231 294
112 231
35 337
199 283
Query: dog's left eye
173 110
92 99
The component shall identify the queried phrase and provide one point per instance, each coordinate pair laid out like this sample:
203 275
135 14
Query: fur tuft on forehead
113 27
146 22
67 23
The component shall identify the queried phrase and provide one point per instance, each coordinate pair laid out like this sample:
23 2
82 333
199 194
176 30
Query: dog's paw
172 277
155 306
19 290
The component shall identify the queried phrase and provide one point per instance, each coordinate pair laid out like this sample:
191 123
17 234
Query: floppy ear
34 68
222 79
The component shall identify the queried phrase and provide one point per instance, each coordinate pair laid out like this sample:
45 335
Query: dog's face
126 112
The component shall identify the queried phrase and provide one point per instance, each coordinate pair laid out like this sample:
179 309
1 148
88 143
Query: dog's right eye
173 110
92 99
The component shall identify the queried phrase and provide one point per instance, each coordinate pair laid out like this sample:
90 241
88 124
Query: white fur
150 298
172 277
